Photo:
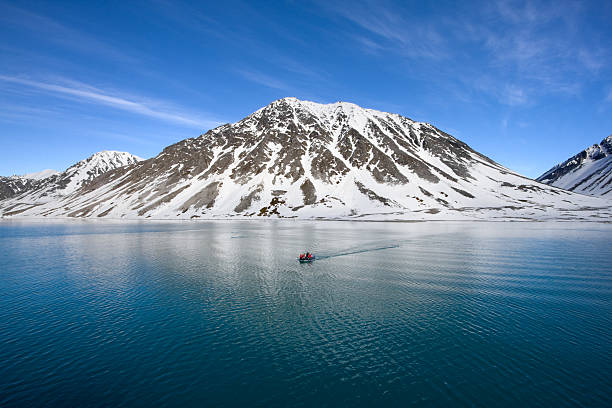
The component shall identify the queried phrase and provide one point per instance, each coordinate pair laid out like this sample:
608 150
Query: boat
307 260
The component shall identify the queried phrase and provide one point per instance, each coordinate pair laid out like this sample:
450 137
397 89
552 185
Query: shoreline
281 219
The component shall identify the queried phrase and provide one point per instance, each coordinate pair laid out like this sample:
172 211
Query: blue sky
527 83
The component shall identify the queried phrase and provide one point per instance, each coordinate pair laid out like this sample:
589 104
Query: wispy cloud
514 95
392 29
541 41
525 11
154 109
528 48
48 30
504 91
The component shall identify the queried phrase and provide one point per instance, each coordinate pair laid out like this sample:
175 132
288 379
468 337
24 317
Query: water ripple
391 314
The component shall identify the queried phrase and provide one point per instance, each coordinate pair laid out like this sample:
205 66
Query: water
222 314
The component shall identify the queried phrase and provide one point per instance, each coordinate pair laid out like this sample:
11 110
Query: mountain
48 186
86 170
299 159
588 172
41 174
13 185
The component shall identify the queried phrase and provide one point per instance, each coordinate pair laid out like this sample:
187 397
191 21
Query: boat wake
353 251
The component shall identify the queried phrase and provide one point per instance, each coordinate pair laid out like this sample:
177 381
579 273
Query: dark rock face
453 153
11 186
327 167
396 148
606 145
360 153
253 164
463 192
205 198
427 193
308 189
219 166
246 201
564 168
165 198
372 195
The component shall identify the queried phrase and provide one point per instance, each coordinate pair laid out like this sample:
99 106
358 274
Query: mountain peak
588 172
48 185
115 154
106 160
39 175
317 107
607 143
307 115
95 165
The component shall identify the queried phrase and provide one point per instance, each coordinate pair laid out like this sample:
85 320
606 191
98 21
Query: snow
590 172
500 194
41 174
95 165
51 191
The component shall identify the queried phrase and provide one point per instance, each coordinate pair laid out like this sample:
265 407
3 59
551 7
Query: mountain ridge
301 159
39 175
38 190
588 172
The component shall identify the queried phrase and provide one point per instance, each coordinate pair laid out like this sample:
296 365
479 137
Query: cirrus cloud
134 104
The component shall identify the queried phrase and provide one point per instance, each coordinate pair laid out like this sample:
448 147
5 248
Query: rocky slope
298 159
47 187
13 185
588 172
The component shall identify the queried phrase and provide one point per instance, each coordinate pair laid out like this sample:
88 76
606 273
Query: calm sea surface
222 314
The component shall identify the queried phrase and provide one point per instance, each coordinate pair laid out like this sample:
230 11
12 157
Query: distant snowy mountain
588 172
48 186
298 159
41 174
13 185
88 169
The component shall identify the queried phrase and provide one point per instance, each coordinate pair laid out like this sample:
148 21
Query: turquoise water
222 314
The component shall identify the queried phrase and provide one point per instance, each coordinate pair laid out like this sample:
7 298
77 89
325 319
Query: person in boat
302 256
308 255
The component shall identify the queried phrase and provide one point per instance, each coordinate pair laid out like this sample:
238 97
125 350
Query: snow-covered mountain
44 187
39 175
298 159
588 172
88 169
13 185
